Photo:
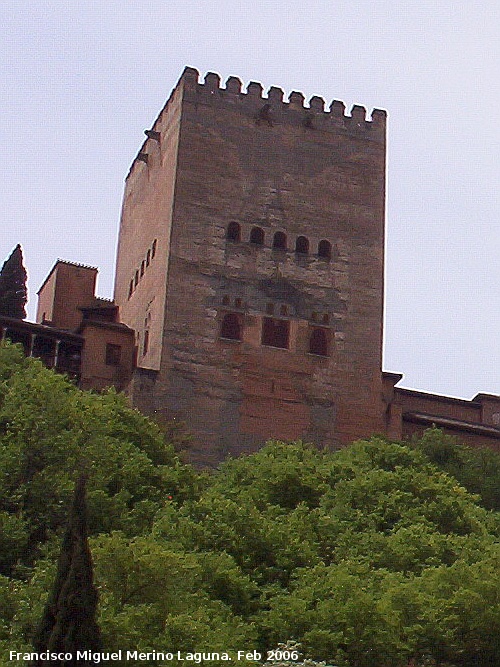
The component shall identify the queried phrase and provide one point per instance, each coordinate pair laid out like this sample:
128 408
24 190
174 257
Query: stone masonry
250 264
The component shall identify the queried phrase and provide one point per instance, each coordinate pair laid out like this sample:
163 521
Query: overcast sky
82 79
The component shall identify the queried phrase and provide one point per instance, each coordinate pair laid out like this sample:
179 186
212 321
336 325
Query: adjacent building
76 332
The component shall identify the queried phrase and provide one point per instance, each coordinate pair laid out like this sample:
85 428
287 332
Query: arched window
279 241
302 245
225 300
233 232
257 236
318 342
231 327
325 249
326 319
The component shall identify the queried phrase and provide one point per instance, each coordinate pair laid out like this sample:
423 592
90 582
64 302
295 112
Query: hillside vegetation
371 556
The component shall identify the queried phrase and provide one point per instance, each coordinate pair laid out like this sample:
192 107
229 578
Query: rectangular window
113 354
275 333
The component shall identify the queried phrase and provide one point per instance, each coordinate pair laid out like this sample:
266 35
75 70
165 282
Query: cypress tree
69 621
13 293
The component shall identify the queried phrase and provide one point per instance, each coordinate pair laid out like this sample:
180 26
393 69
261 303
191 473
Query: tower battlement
269 108
210 89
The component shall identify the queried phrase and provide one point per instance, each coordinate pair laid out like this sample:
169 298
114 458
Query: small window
148 257
143 266
318 342
145 344
113 354
326 319
325 249
225 300
283 311
275 333
237 303
270 308
302 245
231 326
153 249
233 232
257 236
130 289
136 278
279 241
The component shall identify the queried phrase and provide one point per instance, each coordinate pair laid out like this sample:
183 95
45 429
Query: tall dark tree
69 621
13 292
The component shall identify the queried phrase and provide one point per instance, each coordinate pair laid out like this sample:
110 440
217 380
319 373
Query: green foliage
152 596
346 571
13 292
476 468
372 555
49 429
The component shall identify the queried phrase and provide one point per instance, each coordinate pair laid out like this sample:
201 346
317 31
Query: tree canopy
371 555
13 292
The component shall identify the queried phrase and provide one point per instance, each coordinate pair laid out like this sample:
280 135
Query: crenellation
358 113
379 117
255 90
211 82
233 85
337 109
296 100
275 96
190 77
276 107
317 104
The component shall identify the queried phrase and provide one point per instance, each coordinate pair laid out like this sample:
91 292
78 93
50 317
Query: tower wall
227 157
144 237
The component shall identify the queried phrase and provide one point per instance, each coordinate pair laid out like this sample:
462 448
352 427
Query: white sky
82 79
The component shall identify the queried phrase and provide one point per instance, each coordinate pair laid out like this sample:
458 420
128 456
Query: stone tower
250 264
